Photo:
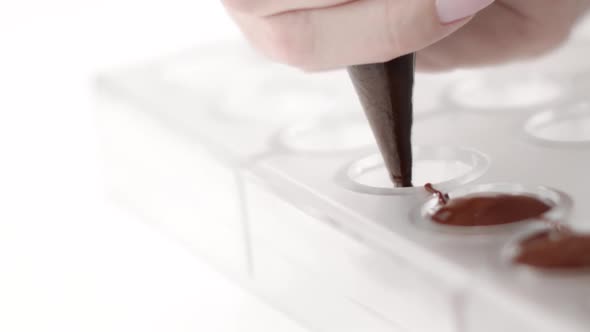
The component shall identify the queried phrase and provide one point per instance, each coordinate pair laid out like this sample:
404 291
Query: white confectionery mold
275 177
202 88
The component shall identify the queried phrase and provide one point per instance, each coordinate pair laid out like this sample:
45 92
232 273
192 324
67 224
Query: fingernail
453 10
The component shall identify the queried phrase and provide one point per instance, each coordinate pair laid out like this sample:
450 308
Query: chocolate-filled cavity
385 91
556 248
486 209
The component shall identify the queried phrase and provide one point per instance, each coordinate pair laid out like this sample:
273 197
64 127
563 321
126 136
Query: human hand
325 34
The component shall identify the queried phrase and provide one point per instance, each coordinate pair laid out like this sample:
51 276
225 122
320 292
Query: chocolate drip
442 197
385 91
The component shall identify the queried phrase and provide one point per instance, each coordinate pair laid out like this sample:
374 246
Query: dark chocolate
555 248
486 209
442 197
385 91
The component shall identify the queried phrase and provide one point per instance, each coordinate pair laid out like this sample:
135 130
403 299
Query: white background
69 261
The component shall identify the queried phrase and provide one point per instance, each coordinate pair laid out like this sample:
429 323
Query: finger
500 33
547 12
263 8
357 32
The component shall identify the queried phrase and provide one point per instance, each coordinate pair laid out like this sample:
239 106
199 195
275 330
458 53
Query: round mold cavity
445 167
512 248
429 91
207 69
489 91
559 202
567 126
328 134
277 93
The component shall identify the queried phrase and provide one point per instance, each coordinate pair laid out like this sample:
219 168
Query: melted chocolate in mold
556 248
486 209
385 91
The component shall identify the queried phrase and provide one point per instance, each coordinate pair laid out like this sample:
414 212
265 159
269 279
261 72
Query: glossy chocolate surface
485 209
555 248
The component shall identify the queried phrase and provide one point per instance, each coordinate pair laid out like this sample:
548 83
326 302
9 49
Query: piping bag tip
385 91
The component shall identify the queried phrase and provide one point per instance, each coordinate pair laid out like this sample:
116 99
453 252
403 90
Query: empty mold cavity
567 125
275 93
559 207
429 90
328 134
245 86
209 68
446 167
488 91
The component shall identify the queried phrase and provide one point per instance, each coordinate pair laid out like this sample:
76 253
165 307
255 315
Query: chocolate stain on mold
385 91
485 209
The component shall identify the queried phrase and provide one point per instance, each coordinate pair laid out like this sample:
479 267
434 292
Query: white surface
69 261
